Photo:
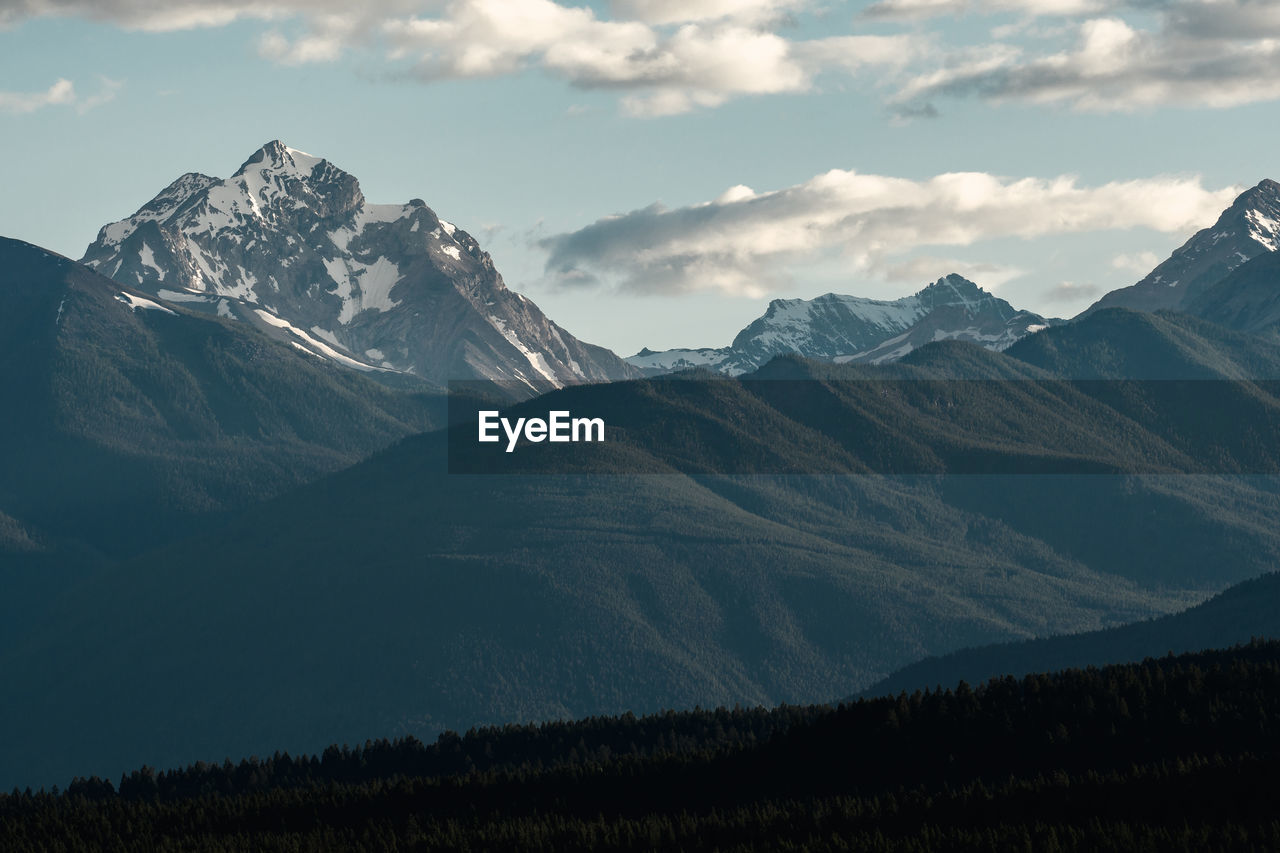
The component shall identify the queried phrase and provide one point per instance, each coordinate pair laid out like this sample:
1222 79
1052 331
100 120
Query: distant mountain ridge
1243 612
290 244
841 328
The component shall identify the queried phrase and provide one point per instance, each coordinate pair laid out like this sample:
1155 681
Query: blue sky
652 172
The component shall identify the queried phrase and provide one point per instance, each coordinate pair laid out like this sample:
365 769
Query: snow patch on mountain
535 359
320 346
1263 229
361 286
175 296
148 260
367 214
136 302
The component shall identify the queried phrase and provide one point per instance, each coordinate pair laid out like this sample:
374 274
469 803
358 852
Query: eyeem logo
558 426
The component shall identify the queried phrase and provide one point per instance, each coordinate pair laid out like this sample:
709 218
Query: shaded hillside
128 419
1248 300
394 598
1246 610
1117 343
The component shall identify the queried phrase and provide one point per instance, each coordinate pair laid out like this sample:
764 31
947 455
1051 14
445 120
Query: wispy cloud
673 56
107 91
682 11
660 70
662 56
930 268
1140 263
157 15
1070 291
1188 53
742 242
916 9
61 93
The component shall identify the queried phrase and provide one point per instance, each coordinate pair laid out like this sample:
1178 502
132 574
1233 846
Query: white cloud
664 71
61 93
741 242
325 41
1140 263
673 56
150 15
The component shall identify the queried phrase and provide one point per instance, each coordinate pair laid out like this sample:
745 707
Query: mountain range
396 598
1225 273
851 328
290 244
229 522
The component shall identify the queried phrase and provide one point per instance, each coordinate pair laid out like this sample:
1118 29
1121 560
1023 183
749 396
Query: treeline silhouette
1176 753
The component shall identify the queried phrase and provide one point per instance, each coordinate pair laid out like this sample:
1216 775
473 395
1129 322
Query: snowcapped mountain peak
840 327
957 282
277 180
290 244
1266 193
1248 228
1257 212
957 291
275 156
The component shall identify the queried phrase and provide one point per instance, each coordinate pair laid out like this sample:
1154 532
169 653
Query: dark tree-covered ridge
1175 753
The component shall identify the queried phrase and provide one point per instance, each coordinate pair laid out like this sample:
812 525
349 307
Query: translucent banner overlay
893 427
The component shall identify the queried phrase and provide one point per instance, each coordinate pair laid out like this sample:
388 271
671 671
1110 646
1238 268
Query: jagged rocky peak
1253 216
955 289
1261 207
290 243
277 177
1248 228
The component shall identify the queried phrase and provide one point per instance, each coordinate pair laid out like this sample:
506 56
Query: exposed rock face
955 309
289 243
